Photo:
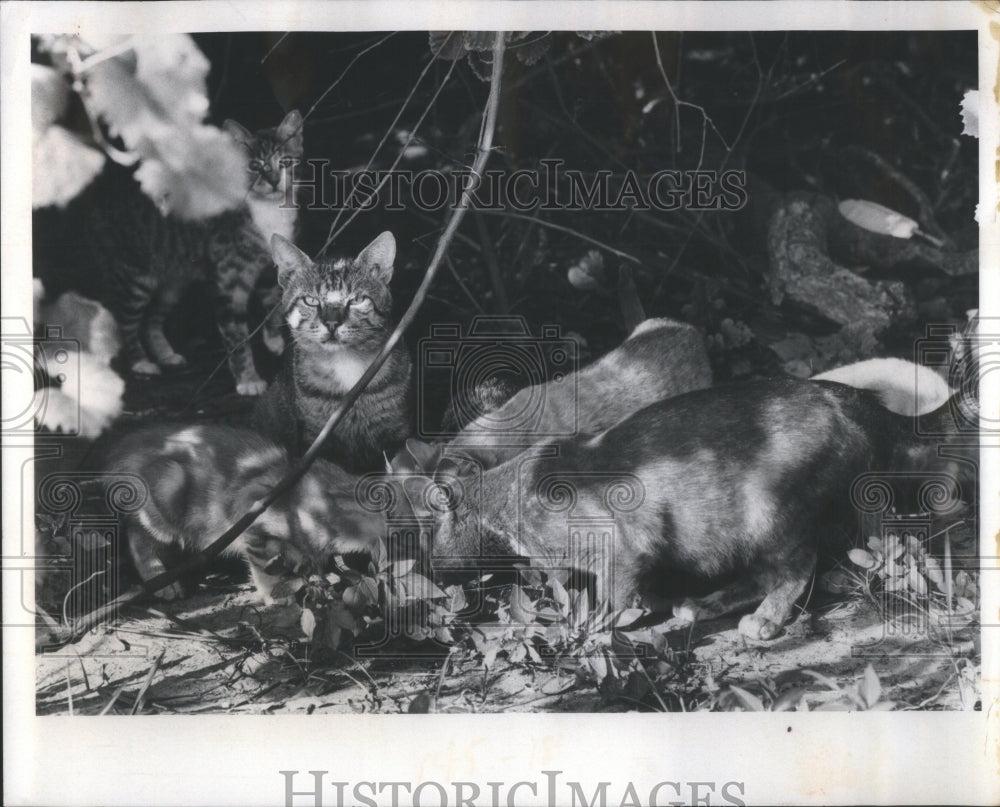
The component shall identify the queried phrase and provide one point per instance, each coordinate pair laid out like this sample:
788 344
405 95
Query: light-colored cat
201 478
661 358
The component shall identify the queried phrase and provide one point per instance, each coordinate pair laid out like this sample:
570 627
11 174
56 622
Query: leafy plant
865 694
344 605
901 567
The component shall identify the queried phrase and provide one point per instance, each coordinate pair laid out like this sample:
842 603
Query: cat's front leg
164 302
269 293
130 308
234 297
144 548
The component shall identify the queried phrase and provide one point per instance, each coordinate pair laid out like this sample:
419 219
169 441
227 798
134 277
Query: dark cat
119 248
751 480
338 313
200 479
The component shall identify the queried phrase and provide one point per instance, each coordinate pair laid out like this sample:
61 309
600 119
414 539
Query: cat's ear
379 256
290 260
290 132
238 132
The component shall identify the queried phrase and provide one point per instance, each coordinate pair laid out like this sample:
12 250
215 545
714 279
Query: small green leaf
423 704
422 588
308 623
580 608
875 543
748 700
399 568
287 587
521 610
788 700
627 616
917 582
560 595
869 688
458 601
599 665
861 558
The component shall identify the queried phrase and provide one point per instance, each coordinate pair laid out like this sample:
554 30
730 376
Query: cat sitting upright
339 315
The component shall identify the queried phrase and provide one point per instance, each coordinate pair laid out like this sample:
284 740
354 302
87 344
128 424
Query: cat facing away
749 481
659 359
339 316
200 479
117 247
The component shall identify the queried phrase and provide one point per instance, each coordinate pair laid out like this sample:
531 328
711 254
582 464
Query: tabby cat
200 479
120 249
338 312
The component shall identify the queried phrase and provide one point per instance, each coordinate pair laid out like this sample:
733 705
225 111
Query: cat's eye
256 165
364 301
310 301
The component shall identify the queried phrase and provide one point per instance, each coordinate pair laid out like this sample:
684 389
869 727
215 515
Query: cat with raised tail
339 314
750 480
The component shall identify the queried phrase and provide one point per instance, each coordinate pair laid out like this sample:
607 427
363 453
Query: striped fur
202 478
139 262
338 313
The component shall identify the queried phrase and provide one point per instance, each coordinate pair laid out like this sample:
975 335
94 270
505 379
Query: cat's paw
251 386
175 591
275 342
757 627
686 612
173 360
145 367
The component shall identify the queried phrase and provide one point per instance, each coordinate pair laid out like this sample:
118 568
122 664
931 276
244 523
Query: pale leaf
877 218
970 113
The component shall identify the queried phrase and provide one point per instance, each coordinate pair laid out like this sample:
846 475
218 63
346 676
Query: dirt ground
221 653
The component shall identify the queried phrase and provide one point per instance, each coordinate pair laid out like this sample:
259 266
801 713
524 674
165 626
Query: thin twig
502 305
145 684
334 230
344 72
275 46
114 697
69 690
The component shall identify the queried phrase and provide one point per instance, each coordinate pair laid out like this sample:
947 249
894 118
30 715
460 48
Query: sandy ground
219 652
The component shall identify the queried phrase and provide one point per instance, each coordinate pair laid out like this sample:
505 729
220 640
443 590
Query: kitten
750 479
200 479
338 313
119 248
